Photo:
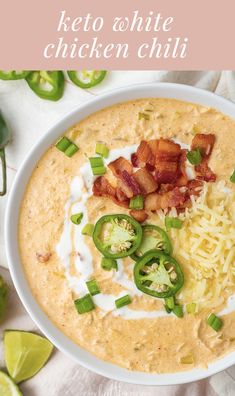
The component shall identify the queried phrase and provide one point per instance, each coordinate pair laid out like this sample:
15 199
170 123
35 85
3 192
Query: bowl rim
61 341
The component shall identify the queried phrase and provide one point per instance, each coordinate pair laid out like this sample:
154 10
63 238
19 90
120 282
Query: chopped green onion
96 162
191 308
125 300
170 302
194 157
71 150
88 229
172 222
137 202
63 144
102 150
84 304
76 218
97 166
99 170
67 147
214 322
93 287
108 263
144 116
178 311
232 177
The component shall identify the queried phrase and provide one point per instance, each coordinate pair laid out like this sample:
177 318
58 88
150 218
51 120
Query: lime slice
25 354
7 386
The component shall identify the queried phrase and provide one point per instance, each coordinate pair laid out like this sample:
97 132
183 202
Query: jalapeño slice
155 238
117 235
86 78
158 274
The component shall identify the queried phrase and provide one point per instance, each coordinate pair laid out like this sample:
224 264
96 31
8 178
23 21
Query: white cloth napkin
29 117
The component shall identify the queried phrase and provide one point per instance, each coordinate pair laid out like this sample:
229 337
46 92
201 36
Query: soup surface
58 259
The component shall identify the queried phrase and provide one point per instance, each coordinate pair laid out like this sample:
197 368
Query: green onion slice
215 322
97 166
71 150
191 308
76 218
172 222
232 177
194 157
67 146
125 300
63 144
178 311
84 304
108 263
102 150
92 287
137 202
88 229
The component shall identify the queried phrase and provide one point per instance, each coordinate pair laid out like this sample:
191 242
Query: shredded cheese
205 247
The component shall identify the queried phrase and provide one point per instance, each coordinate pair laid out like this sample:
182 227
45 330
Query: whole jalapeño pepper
47 84
153 237
117 236
158 274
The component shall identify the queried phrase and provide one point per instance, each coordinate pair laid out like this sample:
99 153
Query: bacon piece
102 188
205 143
194 187
167 151
145 180
134 160
144 154
171 199
154 144
139 215
204 172
166 172
119 165
183 178
128 184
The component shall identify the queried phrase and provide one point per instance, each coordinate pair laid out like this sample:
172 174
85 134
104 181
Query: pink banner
101 34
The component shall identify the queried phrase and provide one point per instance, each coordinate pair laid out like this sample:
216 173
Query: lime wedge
25 354
7 386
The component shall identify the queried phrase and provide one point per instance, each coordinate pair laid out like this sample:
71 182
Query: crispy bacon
134 160
102 188
119 165
194 187
144 154
162 178
129 185
166 172
170 199
205 143
204 172
167 151
145 180
139 215
183 178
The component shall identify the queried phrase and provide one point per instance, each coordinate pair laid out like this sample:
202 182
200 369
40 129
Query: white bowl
62 342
